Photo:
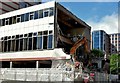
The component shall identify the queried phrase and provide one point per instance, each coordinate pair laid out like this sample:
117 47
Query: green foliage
97 53
114 63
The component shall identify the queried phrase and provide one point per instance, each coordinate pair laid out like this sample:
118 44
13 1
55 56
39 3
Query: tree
97 53
114 66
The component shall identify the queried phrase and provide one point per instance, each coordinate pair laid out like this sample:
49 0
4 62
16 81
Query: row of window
30 41
27 16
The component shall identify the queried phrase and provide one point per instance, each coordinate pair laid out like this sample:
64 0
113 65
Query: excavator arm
79 43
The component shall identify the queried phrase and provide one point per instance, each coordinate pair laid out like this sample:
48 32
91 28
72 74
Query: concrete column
10 64
37 64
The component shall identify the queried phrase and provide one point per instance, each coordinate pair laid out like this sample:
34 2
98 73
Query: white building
115 43
29 36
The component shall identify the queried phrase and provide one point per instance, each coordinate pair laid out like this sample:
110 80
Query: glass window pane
25 43
34 43
5 46
39 43
21 44
50 38
3 22
22 18
0 46
14 20
0 22
17 45
45 42
31 15
10 22
9 45
45 33
6 21
41 14
18 19
13 45
36 15
26 17
46 13
30 44
51 12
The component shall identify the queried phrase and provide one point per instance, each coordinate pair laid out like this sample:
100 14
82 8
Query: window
40 13
45 33
34 43
46 13
22 18
10 21
18 19
45 42
36 15
14 20
0 22
26 17
31 15
50 38
5 44
51 12
30 41
21 44
6 21
39 42
17 43
25 43
9 45
0 45
3 22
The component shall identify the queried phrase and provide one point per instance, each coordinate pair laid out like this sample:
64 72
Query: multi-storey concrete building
101 41
30 36
115 43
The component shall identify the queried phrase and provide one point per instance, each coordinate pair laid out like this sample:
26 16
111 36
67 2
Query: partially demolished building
34 36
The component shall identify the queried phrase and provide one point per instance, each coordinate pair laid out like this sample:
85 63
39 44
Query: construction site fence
48 74
42 74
